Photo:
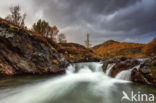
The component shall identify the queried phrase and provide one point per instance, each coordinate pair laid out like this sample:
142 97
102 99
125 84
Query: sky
120 20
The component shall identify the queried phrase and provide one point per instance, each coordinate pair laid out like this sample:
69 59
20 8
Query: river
82 83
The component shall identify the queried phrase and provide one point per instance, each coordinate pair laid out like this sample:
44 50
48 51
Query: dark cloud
122 20
79 10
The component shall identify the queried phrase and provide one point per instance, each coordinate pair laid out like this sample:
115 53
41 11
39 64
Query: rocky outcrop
138 77
22 52
142 70
120 65
107 62
148 69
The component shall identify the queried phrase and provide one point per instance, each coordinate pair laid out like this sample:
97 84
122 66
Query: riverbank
25 52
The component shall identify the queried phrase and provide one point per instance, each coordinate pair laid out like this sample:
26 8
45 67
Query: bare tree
62 38
23 19
16 17
87 41
53 33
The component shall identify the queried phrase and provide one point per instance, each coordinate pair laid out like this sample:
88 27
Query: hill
115 49
23 51
77 53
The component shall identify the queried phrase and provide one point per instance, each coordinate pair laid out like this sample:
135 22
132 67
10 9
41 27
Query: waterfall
126 74
82 83
109 67
82 80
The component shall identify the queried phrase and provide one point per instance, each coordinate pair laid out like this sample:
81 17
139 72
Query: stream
82 83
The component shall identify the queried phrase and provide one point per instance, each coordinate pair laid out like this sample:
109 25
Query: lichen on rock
5 33
22 53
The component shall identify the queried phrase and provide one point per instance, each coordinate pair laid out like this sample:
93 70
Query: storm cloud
121 20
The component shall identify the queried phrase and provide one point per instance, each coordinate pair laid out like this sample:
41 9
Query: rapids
82 83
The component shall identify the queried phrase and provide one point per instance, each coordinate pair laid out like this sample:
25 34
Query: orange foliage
150 48
118 49
76 51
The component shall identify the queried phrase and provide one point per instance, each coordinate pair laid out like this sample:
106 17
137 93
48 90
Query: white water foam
126 74
109 67
56 88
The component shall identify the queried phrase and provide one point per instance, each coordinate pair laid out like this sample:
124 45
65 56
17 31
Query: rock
154 62
24 53
146 73
145 69
153 58
123 65
152 75
123 58
108 61
104 66
137 77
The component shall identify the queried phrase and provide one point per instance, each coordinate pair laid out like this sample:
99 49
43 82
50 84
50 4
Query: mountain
115 49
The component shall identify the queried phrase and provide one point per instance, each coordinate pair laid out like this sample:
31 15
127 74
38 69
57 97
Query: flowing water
126 74
82 83
109 67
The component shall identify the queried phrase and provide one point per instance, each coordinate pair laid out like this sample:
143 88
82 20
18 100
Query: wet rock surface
120 65
142 70
138 77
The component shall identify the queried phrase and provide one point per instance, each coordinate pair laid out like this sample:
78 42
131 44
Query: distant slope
78 53
107 43
114 49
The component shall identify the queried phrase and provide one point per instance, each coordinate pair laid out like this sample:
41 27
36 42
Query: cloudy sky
121 20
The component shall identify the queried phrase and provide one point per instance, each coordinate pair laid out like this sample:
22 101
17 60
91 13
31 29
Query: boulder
123 65
123 58
138 77
108 61
145 69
